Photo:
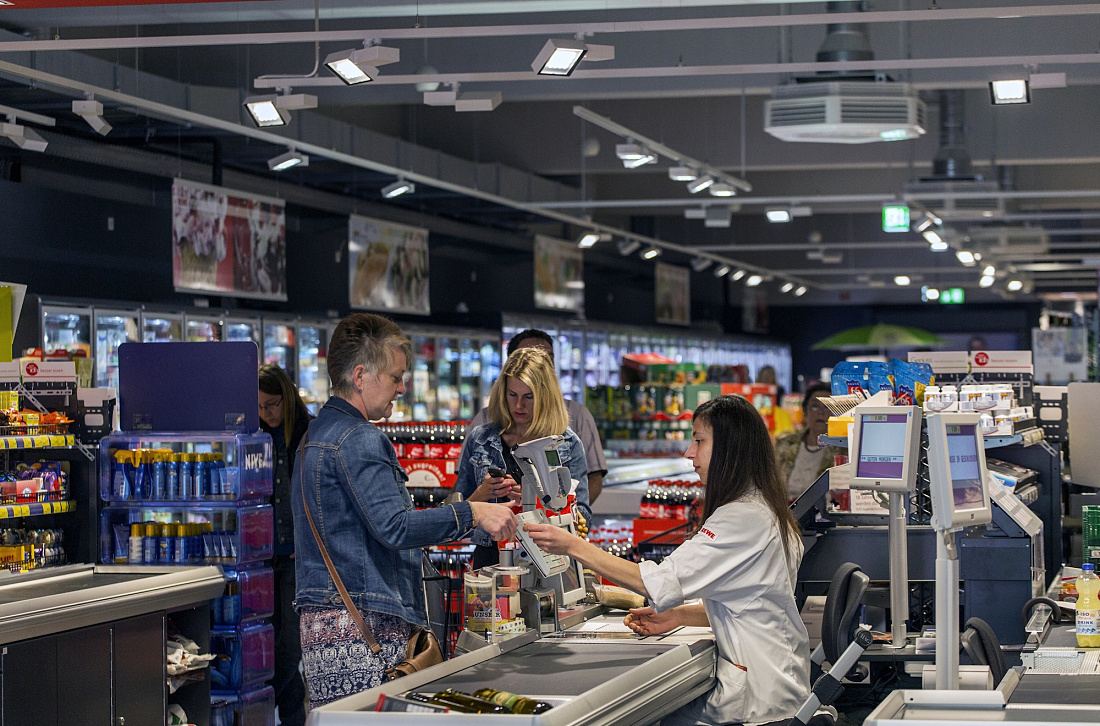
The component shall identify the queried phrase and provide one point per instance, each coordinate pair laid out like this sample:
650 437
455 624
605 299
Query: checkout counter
86 643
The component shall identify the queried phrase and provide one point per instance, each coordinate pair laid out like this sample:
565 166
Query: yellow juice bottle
1088 607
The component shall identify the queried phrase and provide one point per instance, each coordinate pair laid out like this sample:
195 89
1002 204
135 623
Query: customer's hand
494 487
496 519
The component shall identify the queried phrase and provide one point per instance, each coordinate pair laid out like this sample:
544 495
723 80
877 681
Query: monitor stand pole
947 612
899 570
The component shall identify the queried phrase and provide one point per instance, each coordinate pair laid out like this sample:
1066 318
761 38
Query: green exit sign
952 296
895 218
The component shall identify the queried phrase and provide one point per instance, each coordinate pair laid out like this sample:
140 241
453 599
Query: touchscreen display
962 457
882 444
552 458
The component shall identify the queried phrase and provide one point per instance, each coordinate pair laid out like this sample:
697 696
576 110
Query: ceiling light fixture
634 155
737 275
23 137
800 291
588 239
966 257
989 271
787 287
478 101
291 158
718 216
640 161
721 270
682 173
92 112
986 281
722 189
360 65
274 110
901 280
753 280
559 57
1011 91
628 246
1015 285
651 253
778 216
398 188
701 263
700 183
929 294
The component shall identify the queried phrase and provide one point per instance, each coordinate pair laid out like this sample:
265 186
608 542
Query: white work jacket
736 564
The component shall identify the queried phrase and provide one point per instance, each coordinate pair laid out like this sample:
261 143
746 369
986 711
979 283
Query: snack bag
910 380
870 376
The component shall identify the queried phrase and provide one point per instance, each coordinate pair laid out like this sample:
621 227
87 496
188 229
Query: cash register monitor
884 447
957 471
569 584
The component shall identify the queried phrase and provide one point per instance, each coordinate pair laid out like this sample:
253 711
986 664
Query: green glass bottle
461 702
514 703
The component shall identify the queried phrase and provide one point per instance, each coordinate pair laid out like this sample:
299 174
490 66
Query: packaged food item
869 376
909 382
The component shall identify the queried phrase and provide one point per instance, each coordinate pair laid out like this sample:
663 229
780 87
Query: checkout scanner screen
552 458
882 444
962 457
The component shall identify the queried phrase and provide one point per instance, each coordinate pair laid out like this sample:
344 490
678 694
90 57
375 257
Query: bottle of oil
461 702
514 703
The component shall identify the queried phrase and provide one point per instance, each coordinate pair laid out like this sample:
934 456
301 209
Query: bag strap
349 604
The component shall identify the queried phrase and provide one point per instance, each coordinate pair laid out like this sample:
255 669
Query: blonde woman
525 404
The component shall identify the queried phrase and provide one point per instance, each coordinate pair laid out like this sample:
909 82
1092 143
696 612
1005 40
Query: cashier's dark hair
742 460
275 382
363 339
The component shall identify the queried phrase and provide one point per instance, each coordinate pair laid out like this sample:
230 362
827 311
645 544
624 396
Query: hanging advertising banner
229 242
387 266
559 274
673 294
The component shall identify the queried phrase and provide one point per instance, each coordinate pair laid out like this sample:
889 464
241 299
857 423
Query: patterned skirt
338 662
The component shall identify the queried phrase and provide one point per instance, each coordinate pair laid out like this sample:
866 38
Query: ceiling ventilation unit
844 108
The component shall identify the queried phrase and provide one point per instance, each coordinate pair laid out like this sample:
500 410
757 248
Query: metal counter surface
50 601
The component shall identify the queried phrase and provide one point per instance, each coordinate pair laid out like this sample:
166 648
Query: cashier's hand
646 621
494 487
549 538
496 519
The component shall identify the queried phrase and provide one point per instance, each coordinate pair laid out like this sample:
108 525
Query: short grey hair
363 339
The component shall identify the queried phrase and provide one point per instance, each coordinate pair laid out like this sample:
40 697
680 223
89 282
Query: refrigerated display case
204 328
112 329
243 329
490 369
161 327
313 384
280 346
450 374
447 372
67 328
424 378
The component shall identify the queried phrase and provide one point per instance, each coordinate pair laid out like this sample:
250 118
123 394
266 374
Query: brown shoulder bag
423 648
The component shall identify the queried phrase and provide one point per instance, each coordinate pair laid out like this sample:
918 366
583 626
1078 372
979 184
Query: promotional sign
228 242
673 294
559 274
387 266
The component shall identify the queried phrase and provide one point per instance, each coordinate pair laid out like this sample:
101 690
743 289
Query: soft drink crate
249 595
162 467
255 707
227 534
245 656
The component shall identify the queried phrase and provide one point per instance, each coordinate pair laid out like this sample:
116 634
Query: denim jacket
483 449
365 517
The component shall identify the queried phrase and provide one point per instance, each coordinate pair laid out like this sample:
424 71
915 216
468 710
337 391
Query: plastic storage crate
245 656
229 535
196 467
249 595
251 708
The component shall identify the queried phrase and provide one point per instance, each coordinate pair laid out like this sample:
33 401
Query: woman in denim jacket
525 404
347 474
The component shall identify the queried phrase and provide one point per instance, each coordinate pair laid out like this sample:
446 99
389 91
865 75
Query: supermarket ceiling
491 145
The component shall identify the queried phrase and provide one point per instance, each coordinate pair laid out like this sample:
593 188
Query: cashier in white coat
742 563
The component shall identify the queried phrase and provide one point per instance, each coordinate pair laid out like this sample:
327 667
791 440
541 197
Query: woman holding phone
742 563
525 404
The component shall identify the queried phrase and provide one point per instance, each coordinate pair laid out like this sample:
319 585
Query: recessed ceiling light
398 188
902 280
559 57
291 158
1011 91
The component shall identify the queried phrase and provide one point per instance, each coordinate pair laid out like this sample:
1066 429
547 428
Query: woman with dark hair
284 416
742 563
801 458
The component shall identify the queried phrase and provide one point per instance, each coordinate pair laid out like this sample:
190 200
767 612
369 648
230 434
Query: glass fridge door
203 329
67 329
280 346
313 365
424 378
447 400
569 356
112 329
490 368
242 329
161 328
469 376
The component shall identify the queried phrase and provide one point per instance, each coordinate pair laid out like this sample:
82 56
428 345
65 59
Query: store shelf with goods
14 511
450 374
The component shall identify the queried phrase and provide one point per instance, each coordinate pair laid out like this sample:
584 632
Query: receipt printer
540 609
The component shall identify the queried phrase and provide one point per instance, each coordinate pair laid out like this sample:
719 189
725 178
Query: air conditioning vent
844 112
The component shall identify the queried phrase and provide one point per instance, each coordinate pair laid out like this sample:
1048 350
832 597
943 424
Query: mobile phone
496 473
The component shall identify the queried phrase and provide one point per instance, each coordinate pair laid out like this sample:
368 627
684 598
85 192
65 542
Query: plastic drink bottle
1088 607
